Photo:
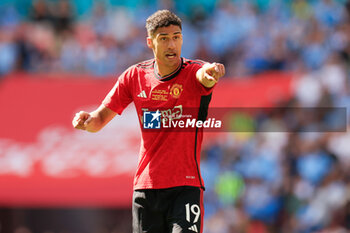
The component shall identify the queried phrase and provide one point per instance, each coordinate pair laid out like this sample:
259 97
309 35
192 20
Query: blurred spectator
8 53
9 17
229 188
40 12
99 19
63 16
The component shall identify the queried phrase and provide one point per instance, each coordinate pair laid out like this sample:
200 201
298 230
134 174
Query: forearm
95 124
99 118
93 121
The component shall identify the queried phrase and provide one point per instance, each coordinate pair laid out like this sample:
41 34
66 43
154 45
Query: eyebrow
165 34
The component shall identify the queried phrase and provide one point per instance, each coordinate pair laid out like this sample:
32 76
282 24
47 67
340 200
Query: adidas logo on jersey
142 94
193 228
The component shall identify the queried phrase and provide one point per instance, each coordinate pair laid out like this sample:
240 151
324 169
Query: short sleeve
120 96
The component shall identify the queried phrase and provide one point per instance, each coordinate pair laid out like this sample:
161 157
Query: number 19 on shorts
192 210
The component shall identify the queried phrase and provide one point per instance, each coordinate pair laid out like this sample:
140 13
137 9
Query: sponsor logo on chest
159 95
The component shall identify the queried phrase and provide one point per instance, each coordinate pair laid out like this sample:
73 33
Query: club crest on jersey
176 90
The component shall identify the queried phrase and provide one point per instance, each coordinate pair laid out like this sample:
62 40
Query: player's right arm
114 103
93 121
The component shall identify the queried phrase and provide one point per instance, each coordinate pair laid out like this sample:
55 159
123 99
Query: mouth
171 55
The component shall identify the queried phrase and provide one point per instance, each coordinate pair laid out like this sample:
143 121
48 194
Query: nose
171 44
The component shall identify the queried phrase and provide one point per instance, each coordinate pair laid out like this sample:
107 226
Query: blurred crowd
289 172
278 182
105 37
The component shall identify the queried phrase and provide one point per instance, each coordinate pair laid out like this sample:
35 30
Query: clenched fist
81 120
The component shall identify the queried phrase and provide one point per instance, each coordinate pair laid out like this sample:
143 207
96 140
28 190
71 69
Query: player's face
166 44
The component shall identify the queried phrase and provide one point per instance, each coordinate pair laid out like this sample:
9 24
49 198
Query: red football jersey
167 158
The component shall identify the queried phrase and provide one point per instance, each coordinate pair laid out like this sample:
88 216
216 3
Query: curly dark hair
161 18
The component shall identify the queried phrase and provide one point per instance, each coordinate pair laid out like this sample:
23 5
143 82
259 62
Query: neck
164 70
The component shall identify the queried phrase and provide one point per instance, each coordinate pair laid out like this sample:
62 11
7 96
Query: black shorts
171 210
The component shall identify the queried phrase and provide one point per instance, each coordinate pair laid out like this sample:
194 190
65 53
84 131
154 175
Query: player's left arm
210 73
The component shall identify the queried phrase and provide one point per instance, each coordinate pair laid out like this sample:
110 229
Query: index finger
222 69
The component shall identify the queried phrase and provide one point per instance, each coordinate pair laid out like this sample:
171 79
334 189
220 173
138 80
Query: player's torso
162 150
169 95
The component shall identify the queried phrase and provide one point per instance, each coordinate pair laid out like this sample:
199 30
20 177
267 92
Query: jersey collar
169 76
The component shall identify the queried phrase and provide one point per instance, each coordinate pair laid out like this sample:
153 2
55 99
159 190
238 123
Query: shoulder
134 72
192 65
190 62
140 67
148 64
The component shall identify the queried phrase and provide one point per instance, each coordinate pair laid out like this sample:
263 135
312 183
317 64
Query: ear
149 42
